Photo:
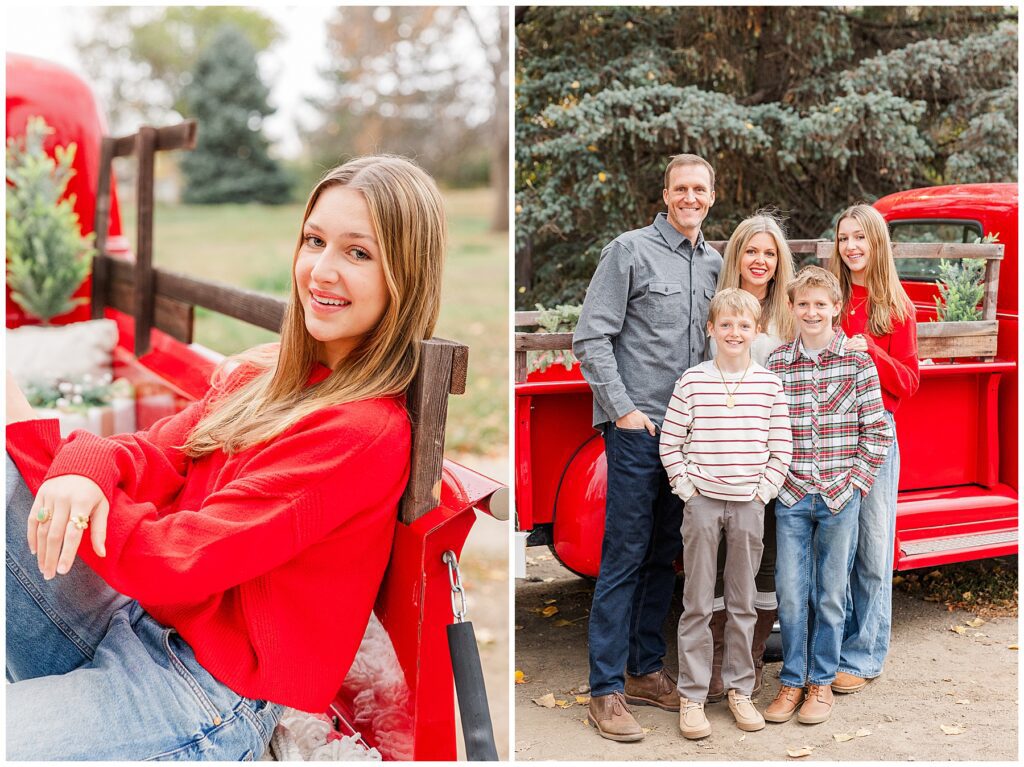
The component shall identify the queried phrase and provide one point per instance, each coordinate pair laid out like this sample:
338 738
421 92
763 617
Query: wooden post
101 223
442 371
145 151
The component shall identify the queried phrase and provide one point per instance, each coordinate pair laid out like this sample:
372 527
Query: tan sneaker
692 722
610 715
655 689
784 706
817 708
747 717
847 683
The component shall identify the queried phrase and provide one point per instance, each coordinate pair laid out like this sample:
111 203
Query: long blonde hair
775 312
887 300
409 224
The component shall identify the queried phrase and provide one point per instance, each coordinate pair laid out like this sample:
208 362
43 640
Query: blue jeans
641 542
869 598
815 554
96 678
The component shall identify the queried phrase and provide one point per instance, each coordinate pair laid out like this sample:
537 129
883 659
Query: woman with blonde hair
878 318
757 260
236 548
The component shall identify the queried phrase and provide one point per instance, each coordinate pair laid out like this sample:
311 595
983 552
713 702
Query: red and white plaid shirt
840 435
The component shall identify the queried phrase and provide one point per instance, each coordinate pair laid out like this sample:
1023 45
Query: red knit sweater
894 355
267 562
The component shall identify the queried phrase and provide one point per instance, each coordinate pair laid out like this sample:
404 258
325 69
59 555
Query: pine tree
47 256
230 162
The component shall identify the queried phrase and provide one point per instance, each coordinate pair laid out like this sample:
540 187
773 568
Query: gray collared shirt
643 319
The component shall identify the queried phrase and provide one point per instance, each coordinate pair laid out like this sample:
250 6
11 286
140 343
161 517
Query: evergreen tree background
226 95
808 109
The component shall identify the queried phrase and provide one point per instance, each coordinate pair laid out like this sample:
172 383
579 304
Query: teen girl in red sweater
878 318
235 549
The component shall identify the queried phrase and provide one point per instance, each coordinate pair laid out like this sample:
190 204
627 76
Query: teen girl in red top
235 549
878 317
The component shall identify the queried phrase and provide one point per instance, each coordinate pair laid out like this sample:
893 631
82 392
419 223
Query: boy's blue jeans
641 541
869 598
96 678
812 570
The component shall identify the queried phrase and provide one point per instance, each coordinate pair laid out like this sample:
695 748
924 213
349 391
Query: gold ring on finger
81 521
43 515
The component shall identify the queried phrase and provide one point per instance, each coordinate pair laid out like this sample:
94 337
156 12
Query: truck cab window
927 269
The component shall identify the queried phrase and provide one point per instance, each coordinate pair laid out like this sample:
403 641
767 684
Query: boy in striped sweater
726 446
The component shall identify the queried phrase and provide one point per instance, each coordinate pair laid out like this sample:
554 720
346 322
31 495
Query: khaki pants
706 520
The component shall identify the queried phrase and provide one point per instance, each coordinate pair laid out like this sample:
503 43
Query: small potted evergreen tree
47 255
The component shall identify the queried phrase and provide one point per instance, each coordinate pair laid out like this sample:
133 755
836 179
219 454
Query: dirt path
484 565
933 677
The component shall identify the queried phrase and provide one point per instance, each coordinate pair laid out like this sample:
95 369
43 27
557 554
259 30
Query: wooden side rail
934 339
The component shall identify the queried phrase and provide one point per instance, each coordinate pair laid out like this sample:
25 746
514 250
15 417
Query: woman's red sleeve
898 370
346 467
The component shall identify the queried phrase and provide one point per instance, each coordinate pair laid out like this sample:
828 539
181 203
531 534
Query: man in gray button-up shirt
642 325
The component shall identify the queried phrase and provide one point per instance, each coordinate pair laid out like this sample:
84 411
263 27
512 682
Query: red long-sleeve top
267 562
894 354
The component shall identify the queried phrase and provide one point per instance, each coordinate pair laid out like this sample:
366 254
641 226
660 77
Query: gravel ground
935 676
484 566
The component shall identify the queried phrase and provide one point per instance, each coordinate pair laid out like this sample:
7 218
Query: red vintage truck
958 496
406 711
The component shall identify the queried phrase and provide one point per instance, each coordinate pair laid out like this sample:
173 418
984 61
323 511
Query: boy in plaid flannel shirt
840 439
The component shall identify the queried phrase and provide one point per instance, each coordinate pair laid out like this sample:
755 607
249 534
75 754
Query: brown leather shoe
655 689
846 683
762 630
784 706
817 708
716 690
610 715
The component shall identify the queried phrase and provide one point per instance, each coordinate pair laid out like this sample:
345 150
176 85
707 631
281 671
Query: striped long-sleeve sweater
732 454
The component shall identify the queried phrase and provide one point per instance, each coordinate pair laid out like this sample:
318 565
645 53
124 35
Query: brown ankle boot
655 689
762 630
716 691
611 716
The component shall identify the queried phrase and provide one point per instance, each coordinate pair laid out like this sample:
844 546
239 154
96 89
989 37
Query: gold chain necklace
854 307
730 401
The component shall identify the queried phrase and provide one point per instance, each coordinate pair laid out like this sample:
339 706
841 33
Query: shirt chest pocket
840 398
663 304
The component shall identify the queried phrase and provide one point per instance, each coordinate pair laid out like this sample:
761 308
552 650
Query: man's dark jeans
641 542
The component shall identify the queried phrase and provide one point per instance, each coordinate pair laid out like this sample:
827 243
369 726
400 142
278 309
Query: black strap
469 686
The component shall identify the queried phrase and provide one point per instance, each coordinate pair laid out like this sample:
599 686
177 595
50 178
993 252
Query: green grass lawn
252 245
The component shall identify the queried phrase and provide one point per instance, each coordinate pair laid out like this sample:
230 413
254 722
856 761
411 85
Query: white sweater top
732 454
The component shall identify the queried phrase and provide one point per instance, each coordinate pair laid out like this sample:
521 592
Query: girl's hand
857 343
64 508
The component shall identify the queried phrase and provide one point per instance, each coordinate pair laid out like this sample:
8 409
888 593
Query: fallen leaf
947 679
742 738
581 699
547 580
975 622
952 729
842 737
958 629
562 622
796 753
520 677
897 580
931 598
565 703
548 611
582 689
546 701
863 732
963 702
550 601
1012 647
934 574
519 627
968 595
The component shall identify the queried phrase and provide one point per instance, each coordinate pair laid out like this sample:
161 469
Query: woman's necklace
854 307
730 400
